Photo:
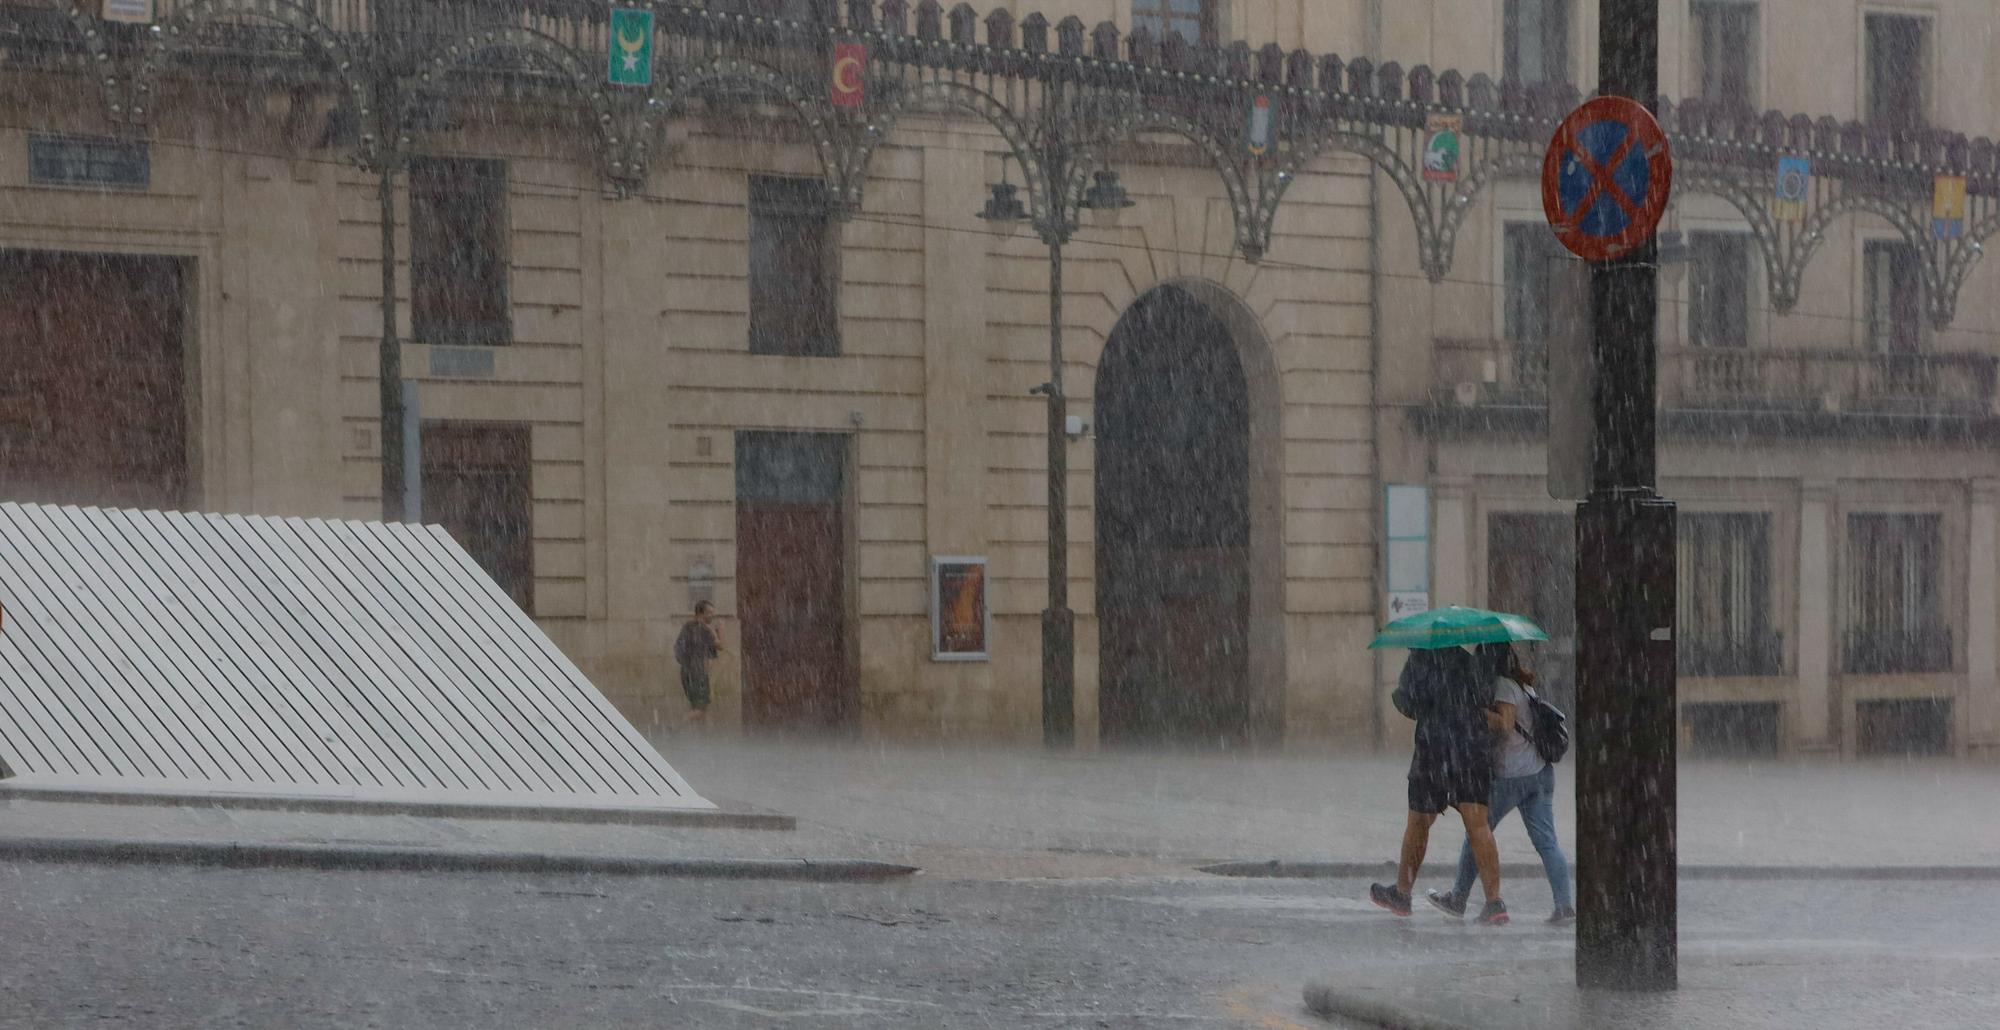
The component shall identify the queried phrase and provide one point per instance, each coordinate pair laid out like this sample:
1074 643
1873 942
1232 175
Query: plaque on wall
55 160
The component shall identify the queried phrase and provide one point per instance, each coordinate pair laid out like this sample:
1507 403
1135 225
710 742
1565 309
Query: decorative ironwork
584 79
1051 90
936 95
184 32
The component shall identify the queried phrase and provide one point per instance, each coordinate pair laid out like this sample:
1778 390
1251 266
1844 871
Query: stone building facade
1832 460
715 373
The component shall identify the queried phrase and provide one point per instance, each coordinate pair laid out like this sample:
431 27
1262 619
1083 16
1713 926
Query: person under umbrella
1442 687
1450 769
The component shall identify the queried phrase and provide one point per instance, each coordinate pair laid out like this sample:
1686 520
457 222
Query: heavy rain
1124 514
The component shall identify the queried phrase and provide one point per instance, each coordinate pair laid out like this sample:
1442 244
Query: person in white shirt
1520 780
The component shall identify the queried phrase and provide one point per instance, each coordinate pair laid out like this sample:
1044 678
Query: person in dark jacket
698 643
1452 767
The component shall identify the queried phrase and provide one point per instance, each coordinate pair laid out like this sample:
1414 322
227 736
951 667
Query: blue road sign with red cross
1606 178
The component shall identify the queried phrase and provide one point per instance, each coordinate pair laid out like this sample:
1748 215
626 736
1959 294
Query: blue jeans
1535 796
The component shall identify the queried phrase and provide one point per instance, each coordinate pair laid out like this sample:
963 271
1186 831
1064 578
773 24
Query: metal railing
1499 372
1828 380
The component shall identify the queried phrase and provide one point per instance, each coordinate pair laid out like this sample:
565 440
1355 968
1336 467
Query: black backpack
1551 736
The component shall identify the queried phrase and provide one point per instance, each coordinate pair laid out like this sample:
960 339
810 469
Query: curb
738 818
1279 870
1327 1001
97 851
1275 869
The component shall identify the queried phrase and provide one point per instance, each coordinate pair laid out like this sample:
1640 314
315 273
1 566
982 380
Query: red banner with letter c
850 74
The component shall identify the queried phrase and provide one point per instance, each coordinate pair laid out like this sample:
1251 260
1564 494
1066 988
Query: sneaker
1494 914
1390 898
1564 915
1451 903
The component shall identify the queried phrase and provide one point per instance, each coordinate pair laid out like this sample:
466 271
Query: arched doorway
1174 528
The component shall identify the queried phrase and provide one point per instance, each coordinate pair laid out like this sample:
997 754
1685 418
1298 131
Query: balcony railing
1475 371
1828 380
1887 650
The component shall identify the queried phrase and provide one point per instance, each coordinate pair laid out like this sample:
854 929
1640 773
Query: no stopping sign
1606 178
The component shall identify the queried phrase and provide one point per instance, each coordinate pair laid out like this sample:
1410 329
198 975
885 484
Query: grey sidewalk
972 812
208 835
1743 988
1178 810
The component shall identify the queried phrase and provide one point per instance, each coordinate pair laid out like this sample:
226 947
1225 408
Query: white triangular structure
146 652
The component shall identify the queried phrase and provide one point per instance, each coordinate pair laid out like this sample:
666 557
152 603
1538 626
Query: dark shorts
694 683
1437 788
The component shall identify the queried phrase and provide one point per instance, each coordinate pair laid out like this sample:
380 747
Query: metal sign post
1608 188
1572 437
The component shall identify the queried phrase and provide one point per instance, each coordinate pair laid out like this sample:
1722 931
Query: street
170 947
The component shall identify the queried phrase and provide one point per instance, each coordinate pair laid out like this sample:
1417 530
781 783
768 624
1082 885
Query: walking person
700 641
1443 690
1522 780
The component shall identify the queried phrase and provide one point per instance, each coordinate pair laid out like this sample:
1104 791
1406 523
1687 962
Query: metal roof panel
233 654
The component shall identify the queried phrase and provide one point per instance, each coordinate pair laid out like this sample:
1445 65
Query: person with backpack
1443 690
1529 735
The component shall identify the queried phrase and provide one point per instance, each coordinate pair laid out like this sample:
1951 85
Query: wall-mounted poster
959 616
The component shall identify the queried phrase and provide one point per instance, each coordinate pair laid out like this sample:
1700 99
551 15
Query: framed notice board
961 620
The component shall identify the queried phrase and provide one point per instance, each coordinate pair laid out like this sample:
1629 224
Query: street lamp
1104 199
1004 210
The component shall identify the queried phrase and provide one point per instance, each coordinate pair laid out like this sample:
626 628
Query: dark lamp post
1104 199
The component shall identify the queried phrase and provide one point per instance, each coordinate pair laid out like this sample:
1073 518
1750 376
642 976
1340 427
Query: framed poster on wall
960 618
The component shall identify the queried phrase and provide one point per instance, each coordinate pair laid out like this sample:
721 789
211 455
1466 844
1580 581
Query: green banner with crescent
631 47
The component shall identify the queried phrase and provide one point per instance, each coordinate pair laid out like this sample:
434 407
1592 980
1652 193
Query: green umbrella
1456 627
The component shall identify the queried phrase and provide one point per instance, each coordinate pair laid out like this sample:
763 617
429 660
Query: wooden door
479 485
1207 649
92 409
791 579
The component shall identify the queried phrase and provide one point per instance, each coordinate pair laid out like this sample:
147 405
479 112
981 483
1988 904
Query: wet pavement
1057 891
995 813
175 947
1181 809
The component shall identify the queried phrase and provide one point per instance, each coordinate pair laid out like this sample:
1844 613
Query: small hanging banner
631 47
1441 149
131 12
1257 136
1948 207
1788 196
850 79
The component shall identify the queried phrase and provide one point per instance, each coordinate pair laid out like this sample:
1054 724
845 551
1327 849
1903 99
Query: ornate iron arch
1126 121
1275 182
1957 259
174 35
1898 215
1509 164
816 114
1750 201
112 82
578 72
945 94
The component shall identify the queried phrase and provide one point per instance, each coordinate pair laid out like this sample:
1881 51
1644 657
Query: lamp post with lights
1105 199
